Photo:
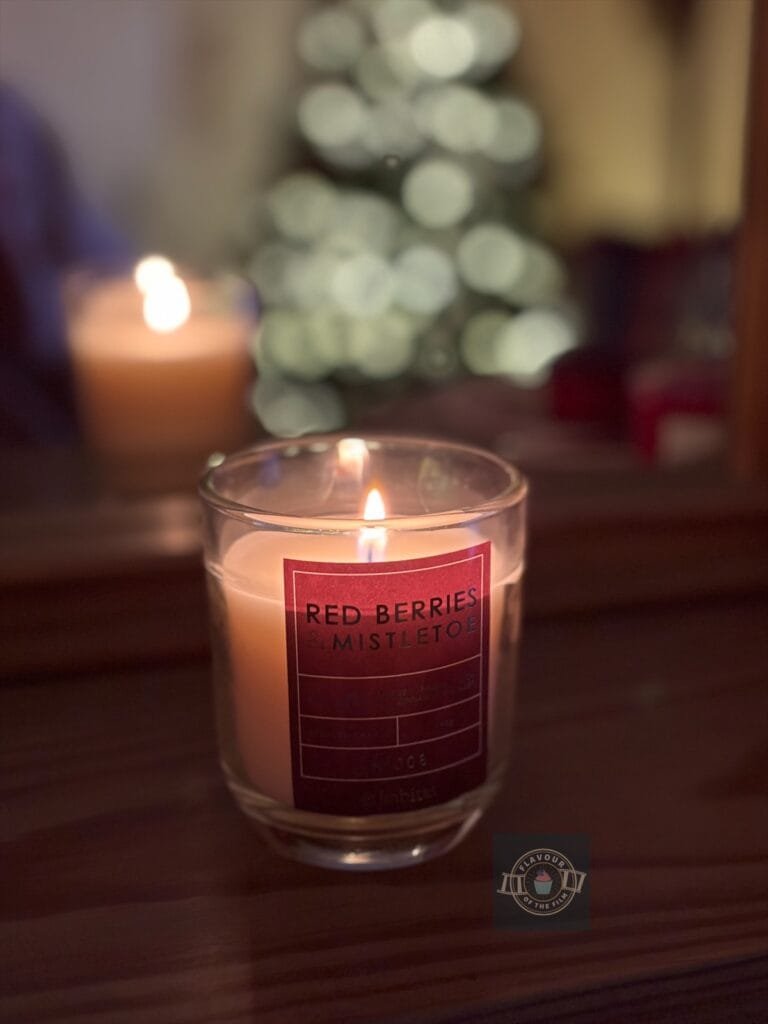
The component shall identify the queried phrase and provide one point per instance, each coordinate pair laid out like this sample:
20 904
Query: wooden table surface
134 891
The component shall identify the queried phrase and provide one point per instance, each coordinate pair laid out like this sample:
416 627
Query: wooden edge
749 392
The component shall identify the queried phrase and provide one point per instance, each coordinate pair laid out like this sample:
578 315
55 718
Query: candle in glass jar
385 645
365 596
158 371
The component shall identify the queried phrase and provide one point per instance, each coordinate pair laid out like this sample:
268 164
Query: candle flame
372 542
374 505
150 271
166 304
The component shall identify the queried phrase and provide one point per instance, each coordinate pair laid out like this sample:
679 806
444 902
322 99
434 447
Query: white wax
144 392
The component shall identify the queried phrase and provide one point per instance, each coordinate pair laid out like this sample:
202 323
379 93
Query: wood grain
133 890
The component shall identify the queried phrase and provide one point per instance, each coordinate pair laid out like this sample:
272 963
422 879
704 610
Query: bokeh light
442 46
331 39
394 20
516 133
269 271
491 258
425 279
392 130
309 278
438 193
542 279
363 285
285 345
332 115
496 32
381 349
528 343
289 409
478 341
363 221
302 206
458 117
403 259
375 75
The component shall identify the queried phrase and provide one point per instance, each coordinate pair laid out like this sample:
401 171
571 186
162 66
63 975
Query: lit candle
372 540
362 667
158 371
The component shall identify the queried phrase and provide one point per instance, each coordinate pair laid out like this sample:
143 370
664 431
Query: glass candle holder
161 366
365 598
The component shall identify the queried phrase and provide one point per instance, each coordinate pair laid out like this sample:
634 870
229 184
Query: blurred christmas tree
404 252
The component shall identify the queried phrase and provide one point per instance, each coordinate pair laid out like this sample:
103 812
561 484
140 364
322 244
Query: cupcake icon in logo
542 883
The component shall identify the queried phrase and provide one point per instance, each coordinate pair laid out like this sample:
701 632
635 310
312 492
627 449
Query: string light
496 32
478 341
331 40
363 285
458 117
288 409
396 19
443 47
302 206
381 349
332 115
491 258
516 133
438 193
528 344
425 279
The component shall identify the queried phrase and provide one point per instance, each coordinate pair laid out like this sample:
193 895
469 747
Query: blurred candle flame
151 270
167 303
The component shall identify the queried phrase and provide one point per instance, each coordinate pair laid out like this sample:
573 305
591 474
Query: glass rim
512 494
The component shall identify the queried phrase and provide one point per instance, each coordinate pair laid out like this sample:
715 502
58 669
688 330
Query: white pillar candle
157 371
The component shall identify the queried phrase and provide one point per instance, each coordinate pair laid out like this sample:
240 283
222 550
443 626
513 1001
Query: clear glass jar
364 643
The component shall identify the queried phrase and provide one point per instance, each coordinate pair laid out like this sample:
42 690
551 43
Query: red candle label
388 681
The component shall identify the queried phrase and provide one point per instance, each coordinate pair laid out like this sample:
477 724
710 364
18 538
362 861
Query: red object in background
673 408
645 304
587 386
666 391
